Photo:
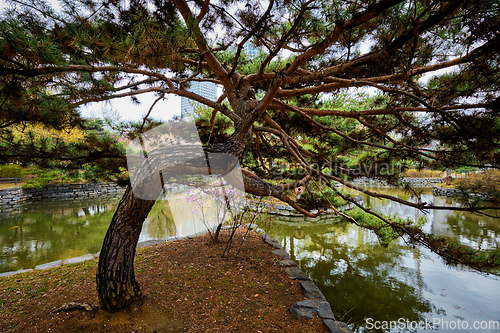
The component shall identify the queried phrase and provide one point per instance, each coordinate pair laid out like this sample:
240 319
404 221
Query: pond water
45 231
366 284
369 286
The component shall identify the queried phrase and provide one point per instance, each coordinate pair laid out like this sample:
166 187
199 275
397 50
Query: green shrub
45 177
385 232
91 173
464 169
11 171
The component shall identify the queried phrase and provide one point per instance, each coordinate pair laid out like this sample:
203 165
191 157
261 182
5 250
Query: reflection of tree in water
480 232
160 222
360 278
53 229
50 230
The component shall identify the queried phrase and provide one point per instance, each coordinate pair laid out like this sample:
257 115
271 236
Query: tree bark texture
117 287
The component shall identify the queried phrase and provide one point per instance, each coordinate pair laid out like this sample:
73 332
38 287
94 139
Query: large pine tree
434 64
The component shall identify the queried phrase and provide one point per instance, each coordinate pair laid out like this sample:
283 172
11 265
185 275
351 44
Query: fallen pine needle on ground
187 286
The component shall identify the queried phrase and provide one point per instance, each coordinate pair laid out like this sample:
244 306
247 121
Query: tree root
72 306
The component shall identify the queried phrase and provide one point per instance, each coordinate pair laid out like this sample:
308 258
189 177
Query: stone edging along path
316 302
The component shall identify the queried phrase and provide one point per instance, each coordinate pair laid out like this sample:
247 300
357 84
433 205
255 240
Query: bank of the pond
453 192
415 182
187 286
17 195
316 302
288 213
350 266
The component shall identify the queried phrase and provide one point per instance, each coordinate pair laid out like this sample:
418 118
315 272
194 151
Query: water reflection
41 232
160 222
45 231
479 231
364 281
173 216
360 278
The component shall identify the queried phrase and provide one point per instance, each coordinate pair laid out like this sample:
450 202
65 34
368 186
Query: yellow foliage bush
414 173
40 132
482 182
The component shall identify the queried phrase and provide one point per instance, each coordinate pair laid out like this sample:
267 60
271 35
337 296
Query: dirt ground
187 285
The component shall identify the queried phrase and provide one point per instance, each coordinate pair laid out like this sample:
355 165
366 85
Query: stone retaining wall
416 182
14 196
424 182
451 192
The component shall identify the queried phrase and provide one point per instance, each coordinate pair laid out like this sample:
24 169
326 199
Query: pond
41 232
369 286
366 284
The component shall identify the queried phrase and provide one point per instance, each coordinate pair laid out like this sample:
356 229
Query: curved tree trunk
117 287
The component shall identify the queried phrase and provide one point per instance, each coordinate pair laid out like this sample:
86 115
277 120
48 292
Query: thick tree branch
203 11
211 60
284 38
372 12
256 186
358 142
49 69
115 96
374 112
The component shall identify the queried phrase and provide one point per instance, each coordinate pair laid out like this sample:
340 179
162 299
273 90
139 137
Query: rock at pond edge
334 326
305 309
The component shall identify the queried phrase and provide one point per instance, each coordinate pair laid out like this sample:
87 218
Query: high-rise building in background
250 50
204 89
209 89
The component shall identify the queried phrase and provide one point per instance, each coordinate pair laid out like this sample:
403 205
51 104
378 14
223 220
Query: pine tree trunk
117 287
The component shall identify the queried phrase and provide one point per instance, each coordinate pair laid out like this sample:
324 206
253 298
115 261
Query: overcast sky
163 110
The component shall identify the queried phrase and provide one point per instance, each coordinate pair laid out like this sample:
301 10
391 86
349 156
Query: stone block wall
416 182
14 196
288 213
424 182
451 192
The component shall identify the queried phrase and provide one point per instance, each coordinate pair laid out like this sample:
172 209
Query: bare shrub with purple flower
215 203
171 156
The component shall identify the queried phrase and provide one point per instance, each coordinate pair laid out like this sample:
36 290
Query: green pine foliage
389 230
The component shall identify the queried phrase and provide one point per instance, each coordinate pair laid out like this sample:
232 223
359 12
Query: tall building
204 89
209 89
250 50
